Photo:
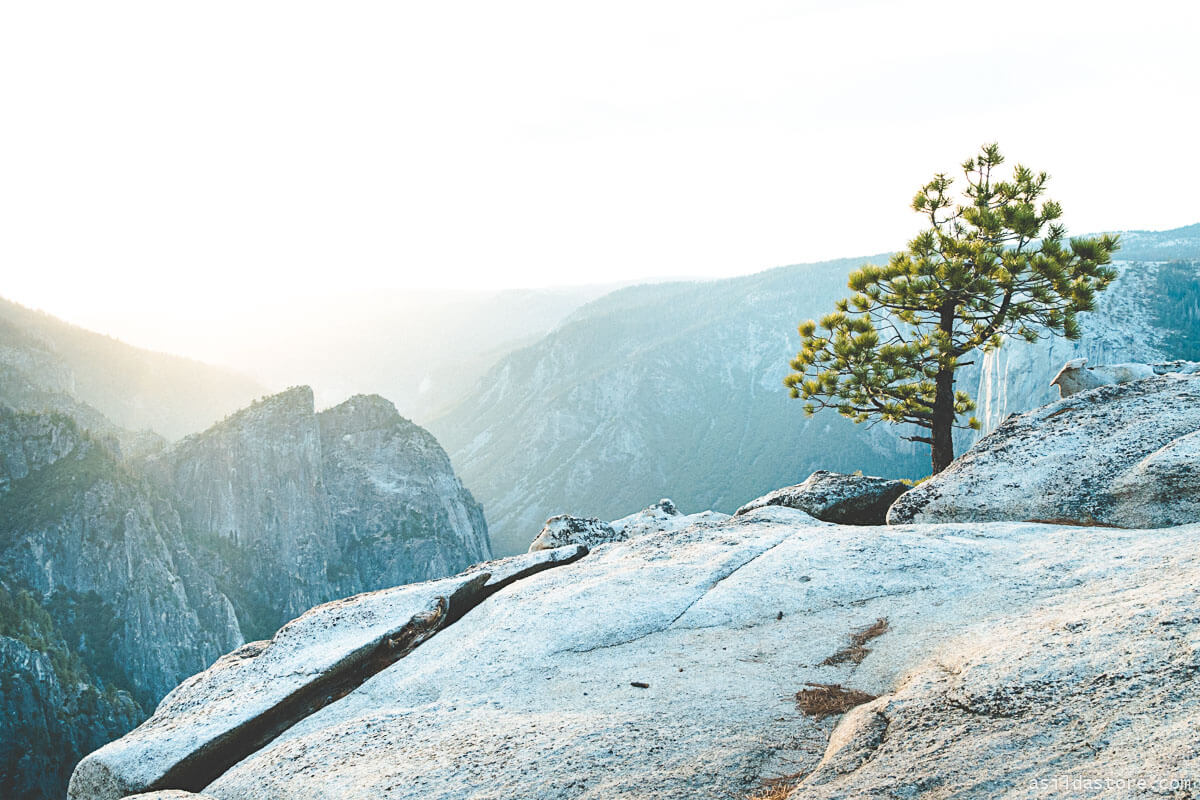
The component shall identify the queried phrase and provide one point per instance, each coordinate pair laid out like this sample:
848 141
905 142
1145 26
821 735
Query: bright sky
192 155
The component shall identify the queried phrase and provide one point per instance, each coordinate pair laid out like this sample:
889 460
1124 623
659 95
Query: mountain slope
677 388
135 389
1170 245
672 388
420 348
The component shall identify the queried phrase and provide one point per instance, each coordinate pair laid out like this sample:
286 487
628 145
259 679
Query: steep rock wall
293 508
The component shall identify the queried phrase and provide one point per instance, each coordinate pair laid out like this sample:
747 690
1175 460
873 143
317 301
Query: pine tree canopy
994 263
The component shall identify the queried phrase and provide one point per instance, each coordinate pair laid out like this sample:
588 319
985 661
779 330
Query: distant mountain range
677 388
47 363
422 349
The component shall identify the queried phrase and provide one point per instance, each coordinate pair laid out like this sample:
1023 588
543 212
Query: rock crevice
223 715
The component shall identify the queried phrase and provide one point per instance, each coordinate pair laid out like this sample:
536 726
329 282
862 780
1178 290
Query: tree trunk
943 421
943 400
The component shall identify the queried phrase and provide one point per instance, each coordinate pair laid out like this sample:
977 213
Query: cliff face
399 513
119 576
251 499
291 509
47 725
1143 317
102 607
75 523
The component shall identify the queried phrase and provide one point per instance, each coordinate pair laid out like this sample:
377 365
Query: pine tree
995 263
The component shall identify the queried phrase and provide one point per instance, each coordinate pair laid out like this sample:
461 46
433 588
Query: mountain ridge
135 389
580 395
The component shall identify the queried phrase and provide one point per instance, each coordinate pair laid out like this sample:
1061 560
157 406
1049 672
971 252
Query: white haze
175 174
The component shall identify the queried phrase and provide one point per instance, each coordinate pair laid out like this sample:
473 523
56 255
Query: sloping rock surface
220 715
1095 695
664 666
1119 454
835 497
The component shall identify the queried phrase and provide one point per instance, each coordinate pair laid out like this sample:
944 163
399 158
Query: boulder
1120 454
663 516
565 529
215 718
1076 376
590 532
835 497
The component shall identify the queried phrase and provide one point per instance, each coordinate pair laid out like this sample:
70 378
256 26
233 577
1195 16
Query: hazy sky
179 154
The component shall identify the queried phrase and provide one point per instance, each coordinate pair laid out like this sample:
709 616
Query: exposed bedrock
218 717
664 666
1120 454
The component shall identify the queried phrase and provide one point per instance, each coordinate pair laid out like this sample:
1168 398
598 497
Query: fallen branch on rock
826 699
857 650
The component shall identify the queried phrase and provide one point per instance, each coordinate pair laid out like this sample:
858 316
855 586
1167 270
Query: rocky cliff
399 513
78 523
120 576
251 496
294 508
104 605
